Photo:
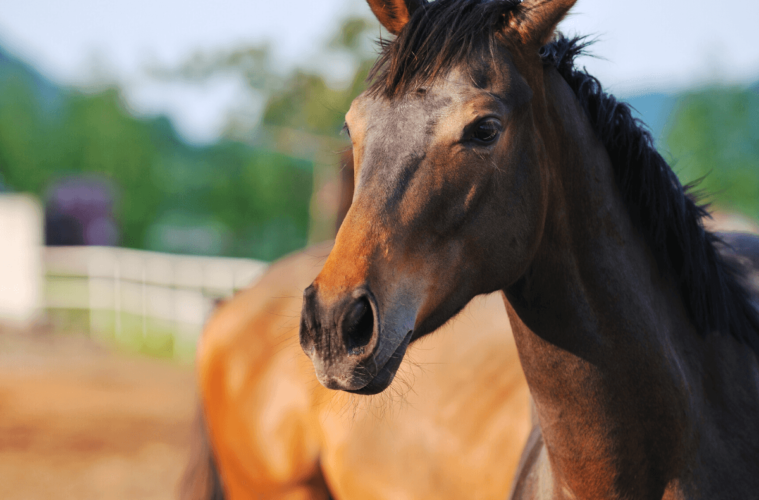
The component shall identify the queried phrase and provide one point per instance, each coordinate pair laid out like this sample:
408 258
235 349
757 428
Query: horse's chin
386 375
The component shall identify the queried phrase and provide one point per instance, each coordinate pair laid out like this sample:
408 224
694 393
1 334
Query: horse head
451 176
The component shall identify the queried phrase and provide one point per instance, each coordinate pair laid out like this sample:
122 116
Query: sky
644 46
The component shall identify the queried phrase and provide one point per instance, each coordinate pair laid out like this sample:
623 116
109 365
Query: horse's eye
486 131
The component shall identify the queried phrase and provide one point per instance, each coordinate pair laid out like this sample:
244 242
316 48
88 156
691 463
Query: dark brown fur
346 187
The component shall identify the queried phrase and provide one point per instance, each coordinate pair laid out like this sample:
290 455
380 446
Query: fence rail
137 296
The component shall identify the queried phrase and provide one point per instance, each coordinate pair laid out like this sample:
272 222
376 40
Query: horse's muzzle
343 339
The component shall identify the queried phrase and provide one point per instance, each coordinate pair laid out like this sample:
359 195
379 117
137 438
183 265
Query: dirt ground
78 421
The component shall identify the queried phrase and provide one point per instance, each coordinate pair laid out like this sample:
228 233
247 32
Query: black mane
445 33
661 207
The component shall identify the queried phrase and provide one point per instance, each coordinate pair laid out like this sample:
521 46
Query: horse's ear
394 14
539 18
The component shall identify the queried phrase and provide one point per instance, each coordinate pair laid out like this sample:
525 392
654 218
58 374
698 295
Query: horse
486 161
267 429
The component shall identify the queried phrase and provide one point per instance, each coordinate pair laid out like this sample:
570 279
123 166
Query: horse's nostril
358 326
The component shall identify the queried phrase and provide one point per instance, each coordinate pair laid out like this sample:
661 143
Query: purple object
79 211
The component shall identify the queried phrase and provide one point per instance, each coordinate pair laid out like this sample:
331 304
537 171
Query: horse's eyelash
345 130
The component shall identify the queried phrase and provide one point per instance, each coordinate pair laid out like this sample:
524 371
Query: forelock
439 36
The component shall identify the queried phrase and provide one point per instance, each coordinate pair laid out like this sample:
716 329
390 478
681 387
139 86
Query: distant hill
14 71
656 109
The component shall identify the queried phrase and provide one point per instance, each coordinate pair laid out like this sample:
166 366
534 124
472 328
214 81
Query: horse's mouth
385 376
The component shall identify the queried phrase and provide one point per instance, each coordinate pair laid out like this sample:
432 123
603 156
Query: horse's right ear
394 14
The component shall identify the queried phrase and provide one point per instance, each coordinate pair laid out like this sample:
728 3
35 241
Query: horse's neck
610 355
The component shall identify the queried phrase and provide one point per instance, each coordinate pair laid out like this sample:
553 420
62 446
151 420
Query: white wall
21 268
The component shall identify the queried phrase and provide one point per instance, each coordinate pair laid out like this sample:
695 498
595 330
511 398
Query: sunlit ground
79 420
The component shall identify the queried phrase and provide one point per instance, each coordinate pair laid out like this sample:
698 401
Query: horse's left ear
538 19
394 14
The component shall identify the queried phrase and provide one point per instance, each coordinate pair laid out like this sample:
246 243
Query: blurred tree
258 199
303 111
715 137
307 102
307 99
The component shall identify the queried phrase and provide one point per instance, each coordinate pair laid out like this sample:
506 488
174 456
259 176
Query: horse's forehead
413 113
412 107
453 90
394 126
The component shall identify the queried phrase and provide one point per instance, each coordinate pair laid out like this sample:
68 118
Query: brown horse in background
486 161
274 432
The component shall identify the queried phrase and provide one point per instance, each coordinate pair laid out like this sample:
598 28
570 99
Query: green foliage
307 103
257 201
352 36
266 187
715 137
230 198
23 133
96 136
303 99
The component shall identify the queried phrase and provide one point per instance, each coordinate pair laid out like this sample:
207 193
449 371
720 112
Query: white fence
139 296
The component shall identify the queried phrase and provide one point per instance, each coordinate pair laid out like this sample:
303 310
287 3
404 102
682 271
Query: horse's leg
200 480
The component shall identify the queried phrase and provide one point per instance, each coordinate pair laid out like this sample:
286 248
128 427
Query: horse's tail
201 480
